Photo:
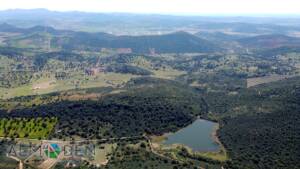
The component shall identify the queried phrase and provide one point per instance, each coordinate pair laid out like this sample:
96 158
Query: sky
186 7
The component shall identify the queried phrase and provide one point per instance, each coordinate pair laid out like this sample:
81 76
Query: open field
79 81
266 79
49 85
219 156
102 153
168 73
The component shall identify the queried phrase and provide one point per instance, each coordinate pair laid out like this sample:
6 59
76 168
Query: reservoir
197 136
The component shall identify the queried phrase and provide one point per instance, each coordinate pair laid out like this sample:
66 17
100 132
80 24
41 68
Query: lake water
197 136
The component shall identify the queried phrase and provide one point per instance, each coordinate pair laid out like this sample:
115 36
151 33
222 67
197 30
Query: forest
125 91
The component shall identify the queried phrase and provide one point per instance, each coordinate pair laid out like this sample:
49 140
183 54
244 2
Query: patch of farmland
266 79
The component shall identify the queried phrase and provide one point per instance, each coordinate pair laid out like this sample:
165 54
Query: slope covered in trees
148 106
178 42
266 133
270 41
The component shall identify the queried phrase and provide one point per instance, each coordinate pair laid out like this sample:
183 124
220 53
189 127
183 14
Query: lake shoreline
215 137
212 134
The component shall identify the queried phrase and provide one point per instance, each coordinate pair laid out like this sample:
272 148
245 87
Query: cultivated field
266 79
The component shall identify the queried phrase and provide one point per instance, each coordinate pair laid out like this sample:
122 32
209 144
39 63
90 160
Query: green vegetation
166 105
36 128
140 157
128 69
57 84
251 138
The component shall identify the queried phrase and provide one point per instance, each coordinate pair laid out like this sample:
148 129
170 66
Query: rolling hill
178 42
218 36
269 41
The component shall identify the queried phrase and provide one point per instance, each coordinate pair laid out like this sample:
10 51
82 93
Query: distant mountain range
138 24
4 27
178 42
278 51
219 36
269 41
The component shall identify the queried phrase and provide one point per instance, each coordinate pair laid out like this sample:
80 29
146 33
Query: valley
208 94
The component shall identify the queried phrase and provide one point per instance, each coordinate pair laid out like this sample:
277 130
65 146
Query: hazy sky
163 6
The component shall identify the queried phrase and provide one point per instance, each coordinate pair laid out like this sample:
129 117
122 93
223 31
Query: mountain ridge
177 42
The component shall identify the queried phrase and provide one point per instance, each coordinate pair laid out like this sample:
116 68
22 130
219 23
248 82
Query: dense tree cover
273 53
5 27
41 59
10 52
133 59
156 108
179 42
266 133
220 81
219 36
137 158
263 140
269 41
15 78
128 69
259 125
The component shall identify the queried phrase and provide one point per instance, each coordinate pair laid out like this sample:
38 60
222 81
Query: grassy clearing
105 80
158 139
175 150
15 92
35 128
77 81
266 79
219 156
102 153
168 73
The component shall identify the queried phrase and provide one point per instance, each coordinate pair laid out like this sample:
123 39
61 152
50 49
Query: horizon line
182 14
